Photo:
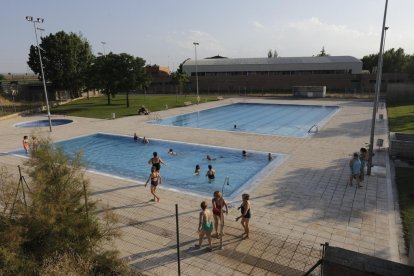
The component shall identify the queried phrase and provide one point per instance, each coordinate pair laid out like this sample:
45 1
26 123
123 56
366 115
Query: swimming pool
272 119
43 123
122 157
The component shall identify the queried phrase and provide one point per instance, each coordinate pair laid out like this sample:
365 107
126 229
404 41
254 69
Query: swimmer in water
197 170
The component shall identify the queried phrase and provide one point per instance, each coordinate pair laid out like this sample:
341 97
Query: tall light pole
103 46
377 91
195 51
40 20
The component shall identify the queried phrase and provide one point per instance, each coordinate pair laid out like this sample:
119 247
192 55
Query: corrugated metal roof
278 60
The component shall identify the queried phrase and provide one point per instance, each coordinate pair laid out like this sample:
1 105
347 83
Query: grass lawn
97 107
404 179
401 118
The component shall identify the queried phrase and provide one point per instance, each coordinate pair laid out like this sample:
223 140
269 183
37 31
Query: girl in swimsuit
218 203
155 178
245 214
205 225
26 145
156 161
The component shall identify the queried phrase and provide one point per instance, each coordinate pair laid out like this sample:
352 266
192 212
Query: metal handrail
317 128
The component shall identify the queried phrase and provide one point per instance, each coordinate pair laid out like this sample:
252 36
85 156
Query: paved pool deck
302 203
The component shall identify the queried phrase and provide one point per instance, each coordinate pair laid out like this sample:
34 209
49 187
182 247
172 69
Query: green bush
59 227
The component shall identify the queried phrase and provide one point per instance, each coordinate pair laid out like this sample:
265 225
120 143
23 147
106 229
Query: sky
162 32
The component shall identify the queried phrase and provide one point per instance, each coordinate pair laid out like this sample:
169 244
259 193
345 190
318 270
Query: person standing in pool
155 179
211 173
205 225
135 137
245 214
197 170
156 161
218 204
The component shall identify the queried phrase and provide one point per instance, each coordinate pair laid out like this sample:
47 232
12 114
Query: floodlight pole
103 46
40 20
195 51
377 91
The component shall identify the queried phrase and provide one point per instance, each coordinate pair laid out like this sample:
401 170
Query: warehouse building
219 74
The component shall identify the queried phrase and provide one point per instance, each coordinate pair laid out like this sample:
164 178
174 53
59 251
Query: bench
188 103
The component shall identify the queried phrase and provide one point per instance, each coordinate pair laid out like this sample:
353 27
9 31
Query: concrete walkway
304 202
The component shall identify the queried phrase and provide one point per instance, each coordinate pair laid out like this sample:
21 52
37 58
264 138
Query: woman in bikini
218 203
155 179
245 214
156 161
205 225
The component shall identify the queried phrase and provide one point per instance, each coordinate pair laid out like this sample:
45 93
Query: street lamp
103 46
377 90
195 51
40 20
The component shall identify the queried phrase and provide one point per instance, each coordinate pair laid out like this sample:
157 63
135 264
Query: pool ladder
314 126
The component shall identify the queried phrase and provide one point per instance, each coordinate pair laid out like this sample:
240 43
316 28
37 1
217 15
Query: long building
240 75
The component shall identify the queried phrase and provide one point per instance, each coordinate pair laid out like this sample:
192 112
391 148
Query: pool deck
306 201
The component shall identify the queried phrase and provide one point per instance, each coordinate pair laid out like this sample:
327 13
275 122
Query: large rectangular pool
271 119
121 156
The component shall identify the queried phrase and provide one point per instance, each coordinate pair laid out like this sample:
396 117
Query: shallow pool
43 123
272 119
121 156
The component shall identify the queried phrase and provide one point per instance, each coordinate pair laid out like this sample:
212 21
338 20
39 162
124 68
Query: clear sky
163 31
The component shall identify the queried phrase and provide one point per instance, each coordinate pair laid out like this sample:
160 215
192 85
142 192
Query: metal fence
155 244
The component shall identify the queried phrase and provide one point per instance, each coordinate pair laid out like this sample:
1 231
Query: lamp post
195 51
40 20
377 91
103 46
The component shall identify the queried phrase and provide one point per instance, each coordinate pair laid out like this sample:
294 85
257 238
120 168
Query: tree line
394 61
69 65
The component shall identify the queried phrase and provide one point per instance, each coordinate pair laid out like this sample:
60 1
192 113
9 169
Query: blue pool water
273 119
43 123
121 156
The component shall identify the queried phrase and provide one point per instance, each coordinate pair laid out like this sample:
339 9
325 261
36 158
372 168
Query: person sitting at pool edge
145 140
135 137
171 152
211 174
197 170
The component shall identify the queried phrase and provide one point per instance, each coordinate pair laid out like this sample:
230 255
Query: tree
394 61
1 77
59 220
114 73
66 58
180 78
322 53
